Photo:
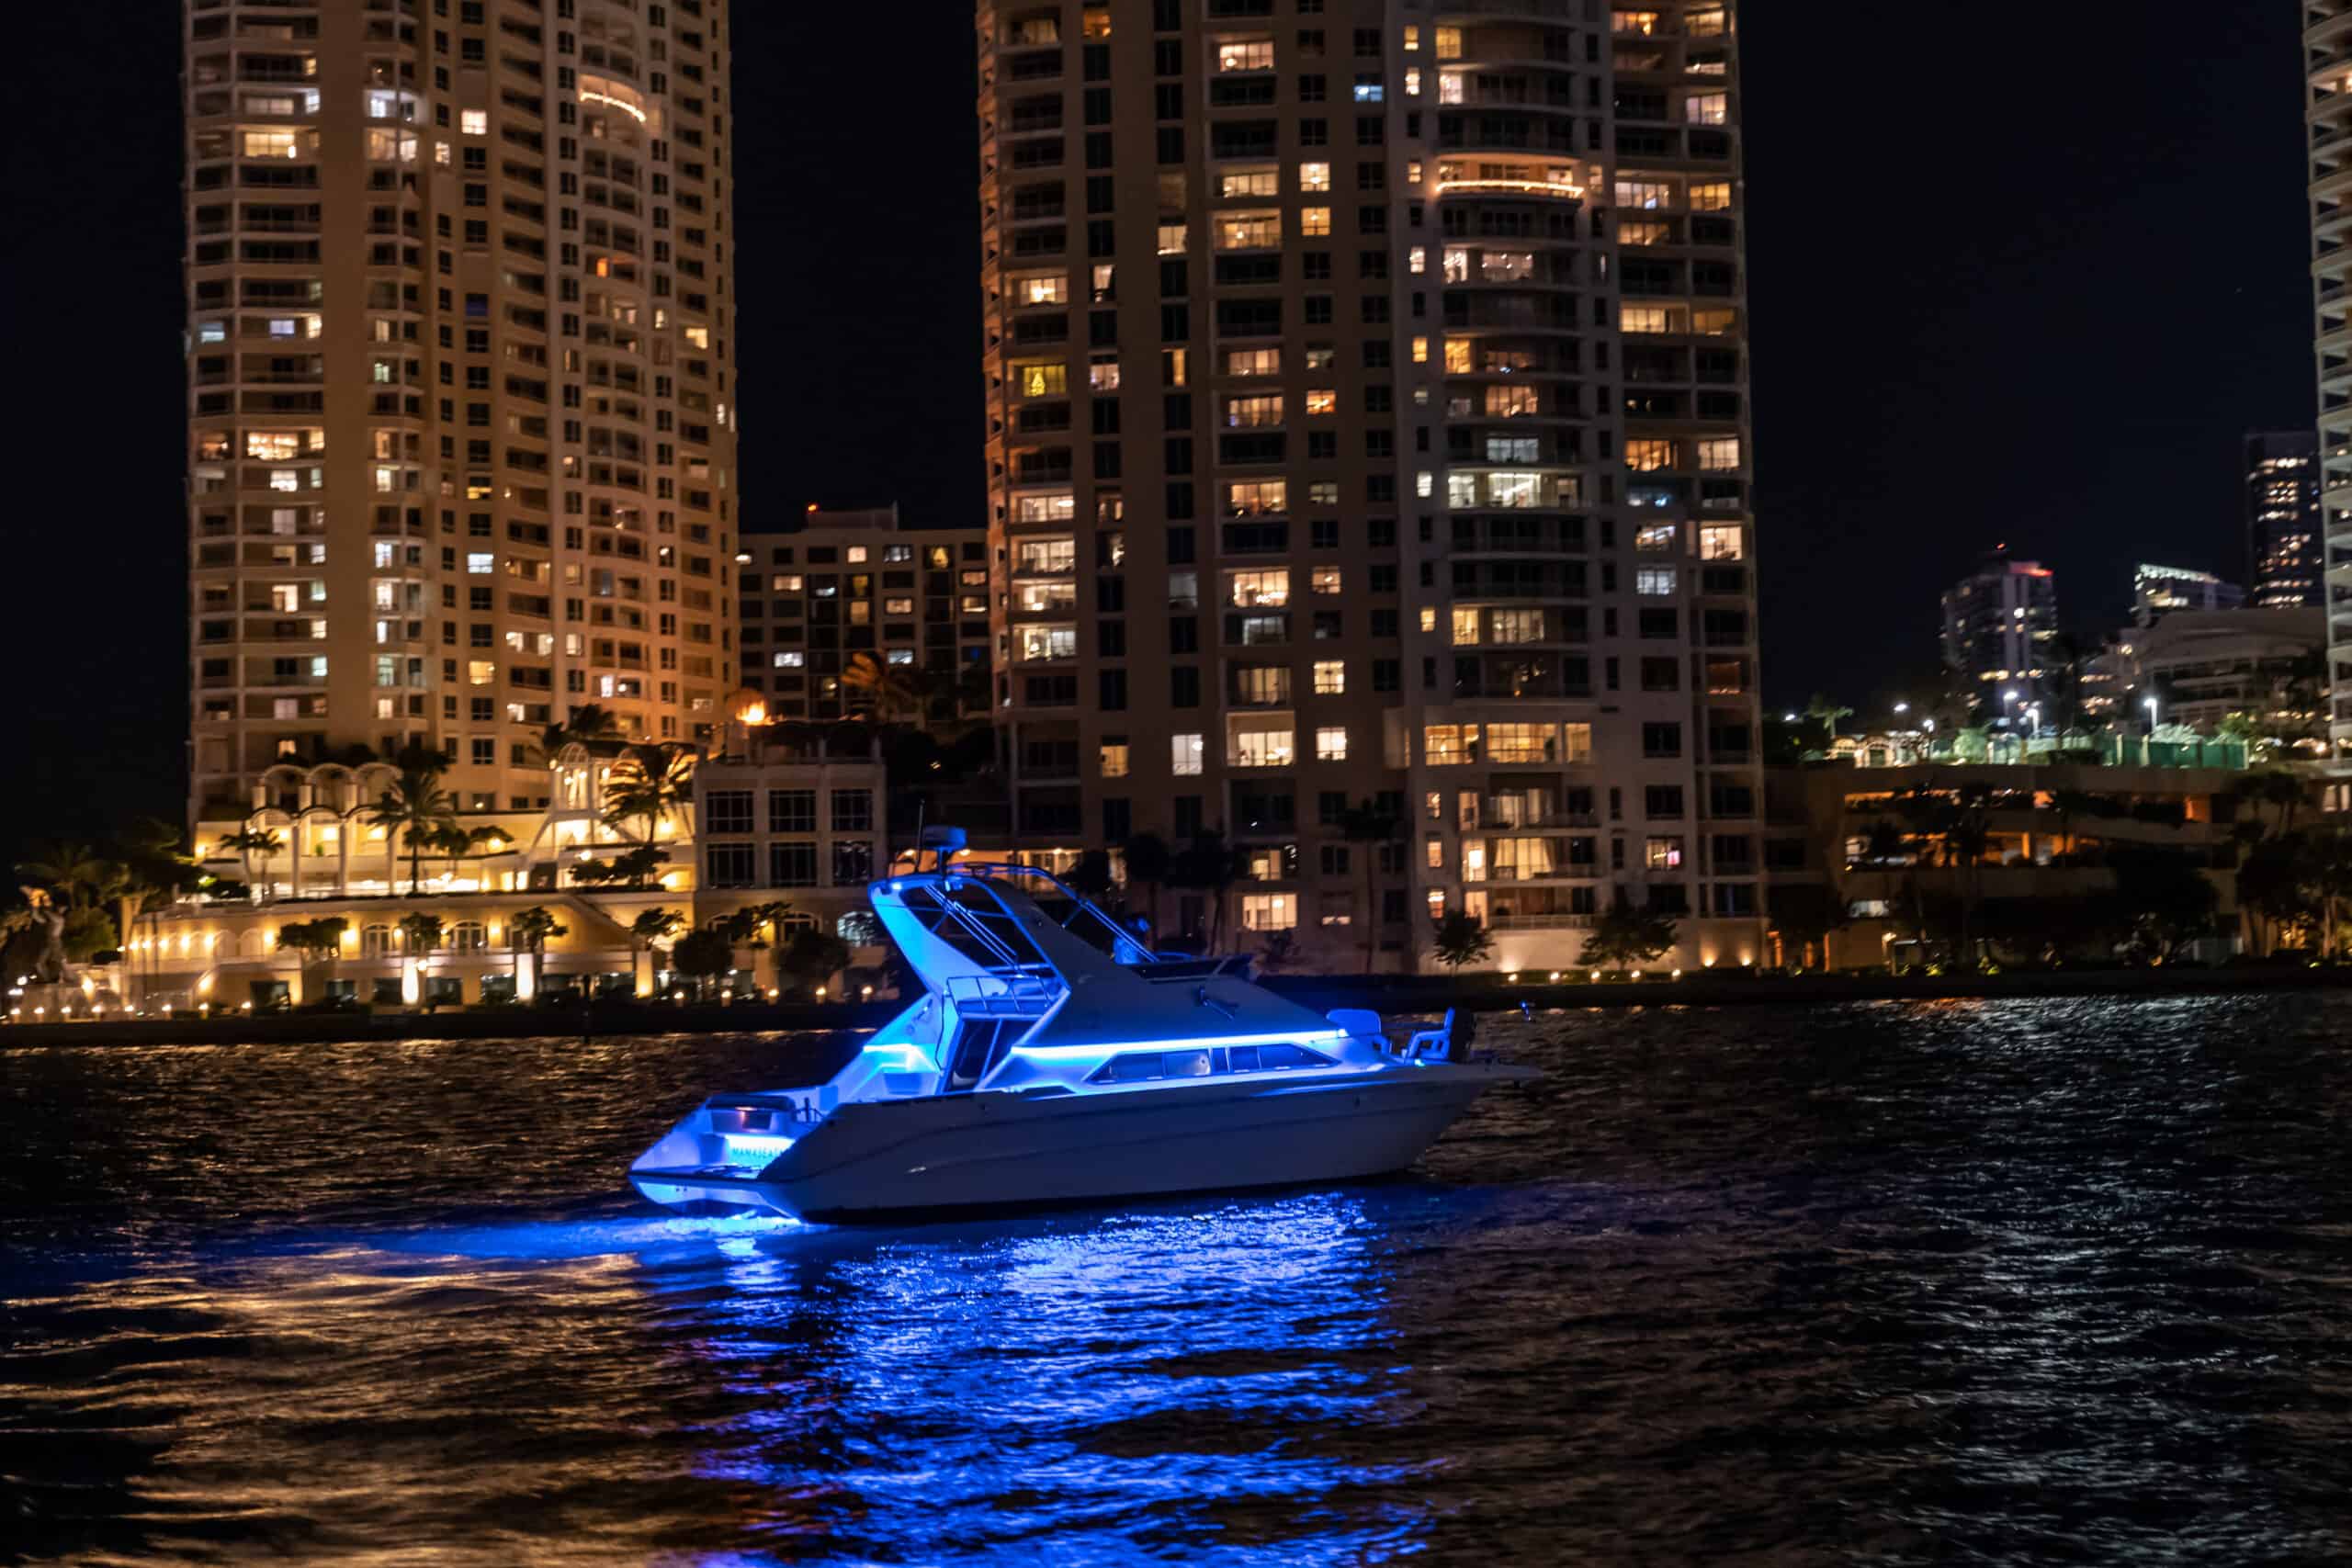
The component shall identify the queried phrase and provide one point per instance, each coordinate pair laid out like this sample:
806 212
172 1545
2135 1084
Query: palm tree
589 723
70 872
1370 825
531 930
415 805
2280 790
1148 861
250 842
888 686
1210 865
651 926
651 781
320 942
128 893
420 932
2070 804
455 841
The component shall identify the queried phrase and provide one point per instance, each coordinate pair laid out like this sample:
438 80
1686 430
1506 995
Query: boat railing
1124 946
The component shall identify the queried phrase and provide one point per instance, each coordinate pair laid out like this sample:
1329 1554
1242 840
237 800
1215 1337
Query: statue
49 969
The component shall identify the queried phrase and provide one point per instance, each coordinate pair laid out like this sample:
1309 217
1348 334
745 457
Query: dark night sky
2021 283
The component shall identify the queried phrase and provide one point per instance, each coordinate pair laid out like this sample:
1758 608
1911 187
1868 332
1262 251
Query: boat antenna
922 803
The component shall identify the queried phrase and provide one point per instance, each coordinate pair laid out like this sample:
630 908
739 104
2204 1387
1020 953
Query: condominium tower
1998 624
1368 426
2327 75
2282 519
462 417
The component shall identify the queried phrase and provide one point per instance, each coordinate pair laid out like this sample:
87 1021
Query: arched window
375 942
469 936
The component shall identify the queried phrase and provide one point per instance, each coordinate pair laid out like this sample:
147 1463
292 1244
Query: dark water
1978 1284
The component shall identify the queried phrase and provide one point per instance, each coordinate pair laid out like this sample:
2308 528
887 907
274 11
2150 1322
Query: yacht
1052 1058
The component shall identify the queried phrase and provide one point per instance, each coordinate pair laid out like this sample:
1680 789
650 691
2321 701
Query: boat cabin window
1141 1066
1275 1058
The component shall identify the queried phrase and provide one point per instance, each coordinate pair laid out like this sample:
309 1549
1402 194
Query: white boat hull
886 1159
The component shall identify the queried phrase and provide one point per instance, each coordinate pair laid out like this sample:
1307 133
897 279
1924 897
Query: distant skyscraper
2283 518
2160 590
1368 427
462 431
1998 623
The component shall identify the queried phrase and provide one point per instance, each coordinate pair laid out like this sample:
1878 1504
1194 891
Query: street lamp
1902 708
2150 703
2033 717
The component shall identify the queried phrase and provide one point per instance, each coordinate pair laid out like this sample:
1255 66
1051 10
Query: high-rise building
1998 624
2283 518
2327 73
1369 378
463 425
913 601
2161 590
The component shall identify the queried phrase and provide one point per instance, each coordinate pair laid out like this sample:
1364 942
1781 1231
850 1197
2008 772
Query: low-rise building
795 821
914 601
1887 848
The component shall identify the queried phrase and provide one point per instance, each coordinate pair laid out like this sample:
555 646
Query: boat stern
712 1162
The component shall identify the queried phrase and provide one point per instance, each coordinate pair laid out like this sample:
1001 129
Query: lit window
1040 288
1655 581
1115 758
1519 742
481 563
1331 677
1644 318
1449 43
1417 259
1103 375
1044 641
1269 911
1457 356
1314 221
1654 537
1705 108
1515 625
1510 402
1713 196
1413 83
1251 413
1246 54
1421 351
1260 748
1447 745
1184 752
1721 543
1412 40
1314 177
1465 627
1645 193
1321 401
481 672
1662 854
1269 590
1040 380
474 122
1253 498
791 658
1646 455
1719 452
1232 184
1057 506
1326 580
1331 745
1171 239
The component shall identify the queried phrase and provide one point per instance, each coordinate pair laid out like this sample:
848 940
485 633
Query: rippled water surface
1973 1282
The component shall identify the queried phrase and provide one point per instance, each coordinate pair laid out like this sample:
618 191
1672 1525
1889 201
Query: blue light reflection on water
1984 1282
1061 1358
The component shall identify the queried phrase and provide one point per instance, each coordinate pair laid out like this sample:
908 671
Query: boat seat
1443 1043
1359 1023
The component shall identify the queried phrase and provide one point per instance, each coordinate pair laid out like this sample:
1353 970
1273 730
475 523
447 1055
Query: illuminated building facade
2327 65
914 601
2282 519
462 419
1368 427
1998 624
